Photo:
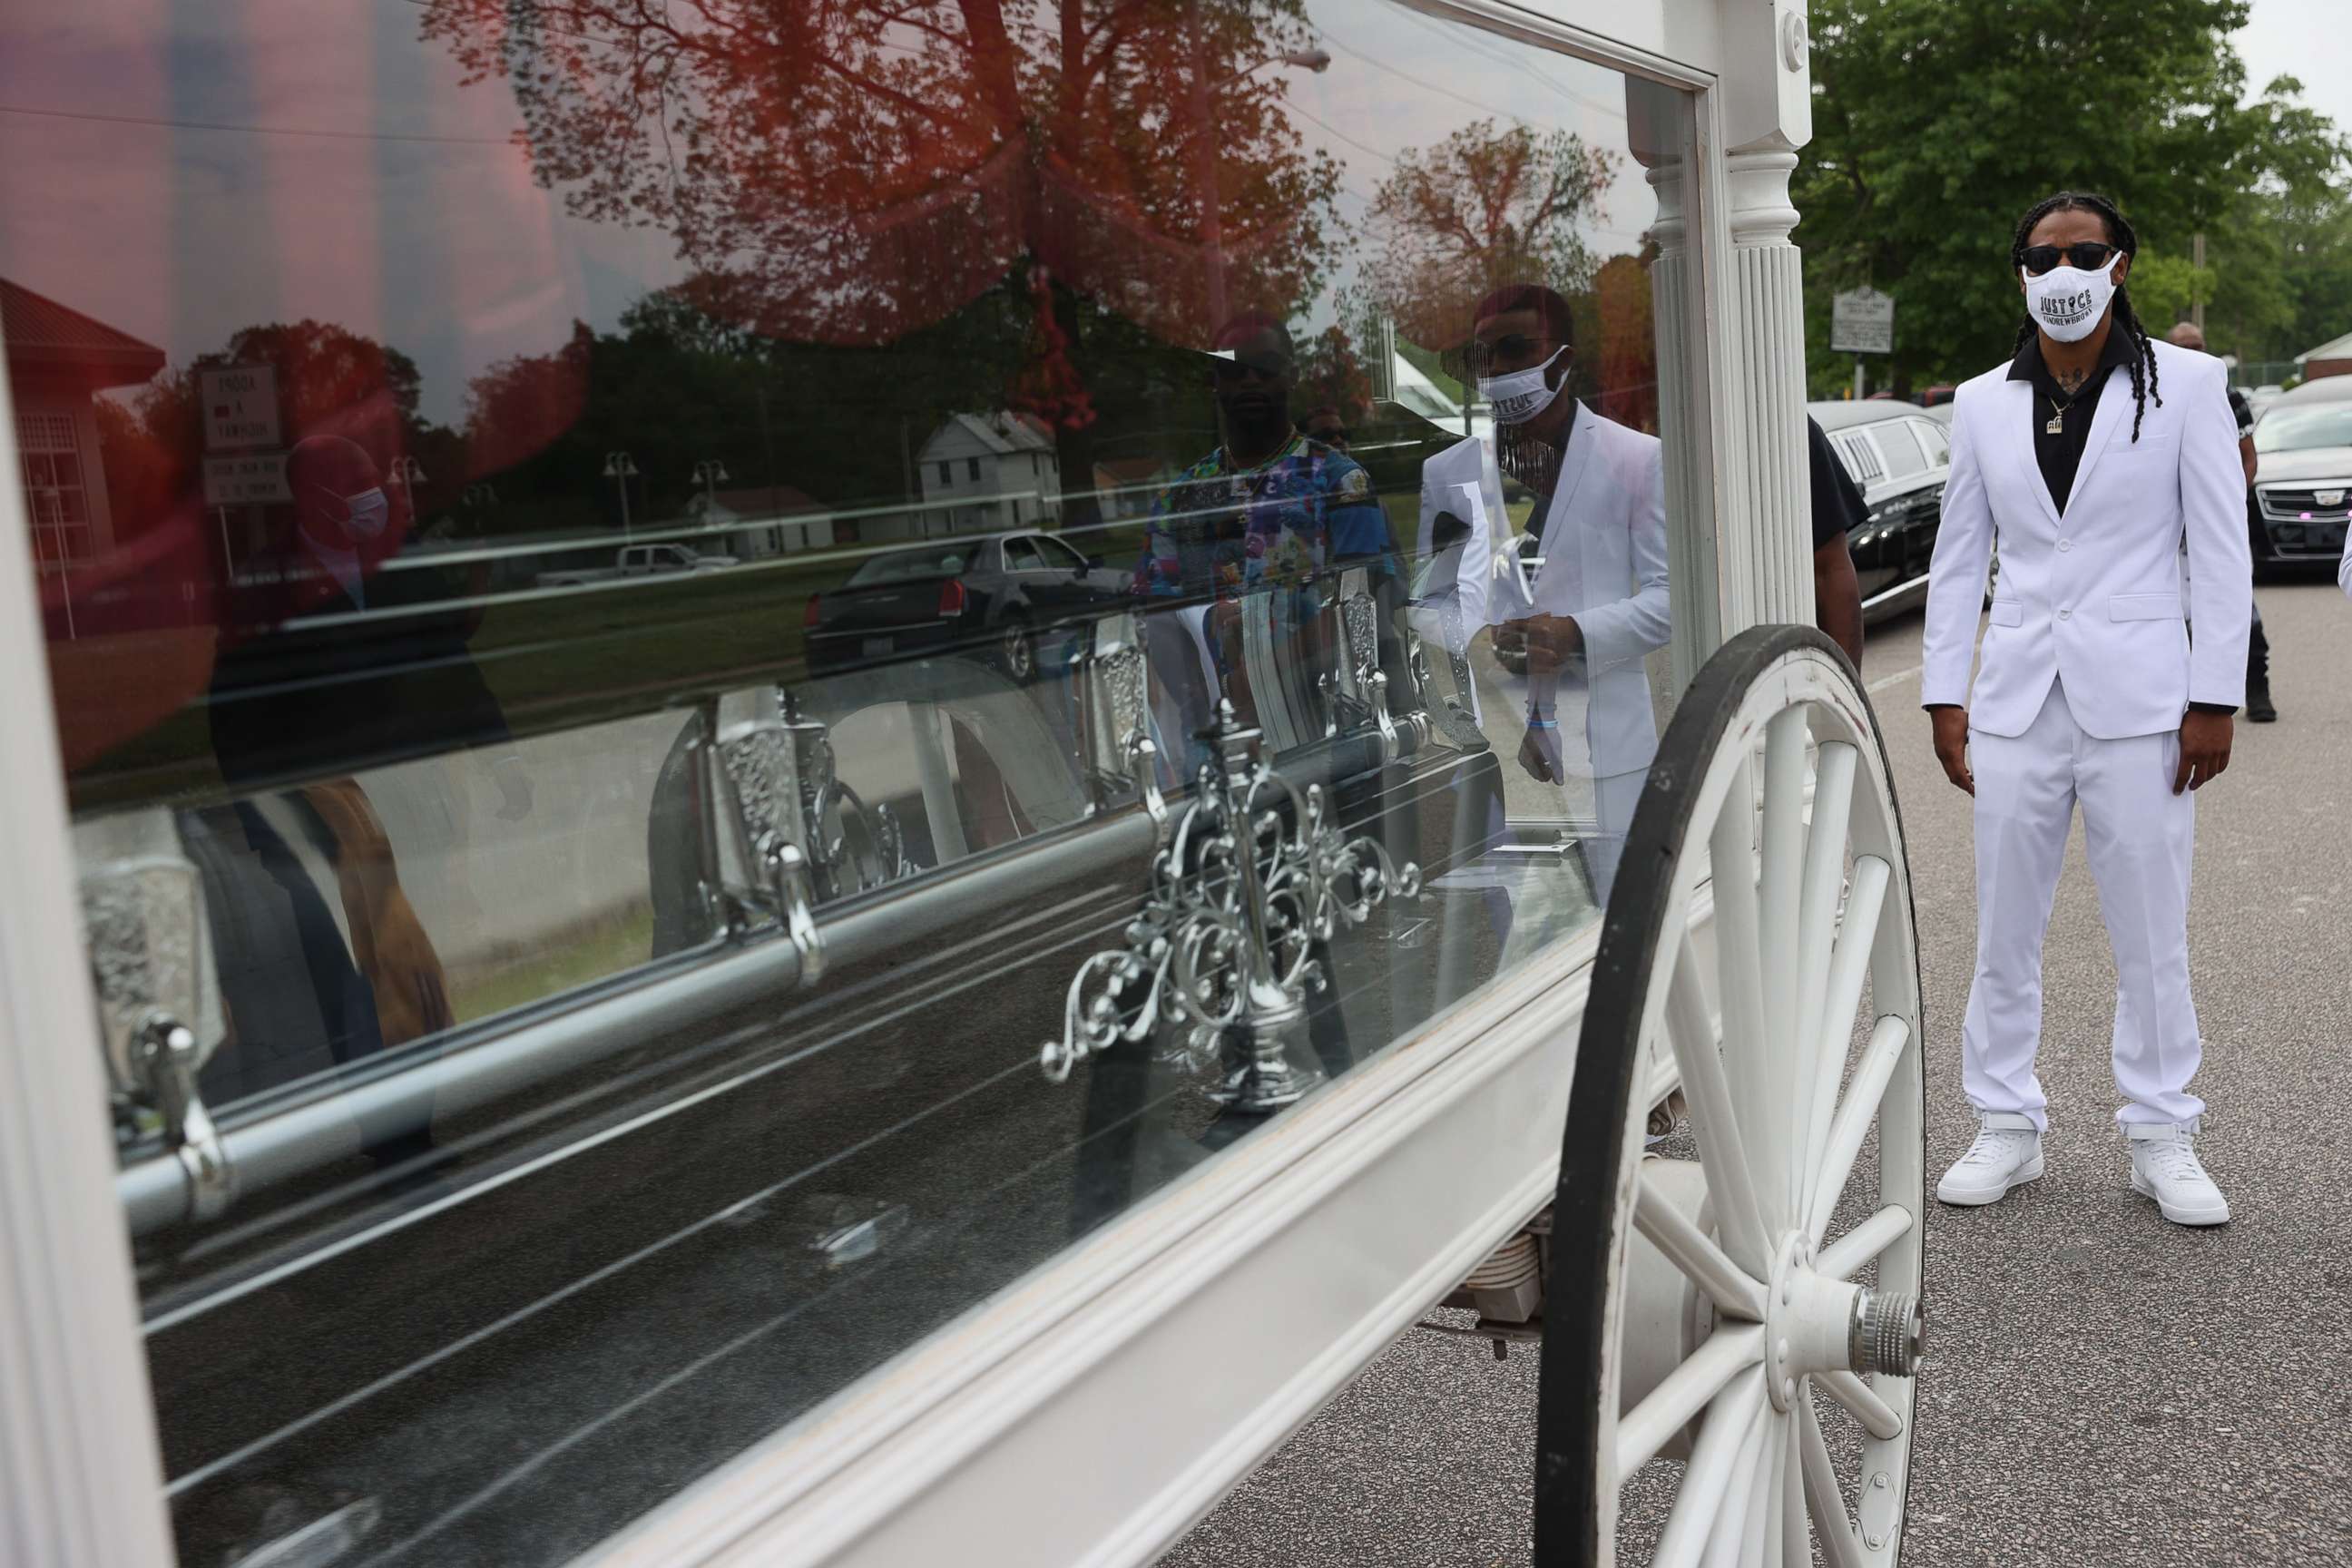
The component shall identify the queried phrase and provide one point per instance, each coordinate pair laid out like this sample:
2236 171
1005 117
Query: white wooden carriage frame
1038 1428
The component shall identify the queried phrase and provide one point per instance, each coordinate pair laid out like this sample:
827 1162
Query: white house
763 520
990 470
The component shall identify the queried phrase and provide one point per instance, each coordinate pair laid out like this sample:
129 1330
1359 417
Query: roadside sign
240 406
256 479
1861 322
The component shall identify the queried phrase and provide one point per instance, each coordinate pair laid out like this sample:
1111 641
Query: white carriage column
1660 131
1766 556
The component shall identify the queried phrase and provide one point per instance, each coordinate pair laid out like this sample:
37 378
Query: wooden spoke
1877 1416
1693 1251
1855 1115
1708 1481
1736 1525
1796 1548
1824 1497
1842 988
1644 1430
1765 1081
1817 934
1706 1090
1739 988
1848 1253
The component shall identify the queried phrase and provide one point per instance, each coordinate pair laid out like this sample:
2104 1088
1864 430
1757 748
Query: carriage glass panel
730 673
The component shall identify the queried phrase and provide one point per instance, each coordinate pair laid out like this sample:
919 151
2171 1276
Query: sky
2310 41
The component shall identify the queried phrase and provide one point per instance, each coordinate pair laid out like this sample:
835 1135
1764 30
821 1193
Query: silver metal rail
274 1147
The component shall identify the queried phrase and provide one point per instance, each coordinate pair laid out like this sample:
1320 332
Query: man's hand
1552 640
2204 749
1540 755
1952 745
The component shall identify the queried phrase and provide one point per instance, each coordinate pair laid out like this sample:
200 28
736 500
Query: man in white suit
2089 458
1597 603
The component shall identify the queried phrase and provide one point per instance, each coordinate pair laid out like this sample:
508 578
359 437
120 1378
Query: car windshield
2301 429
909 566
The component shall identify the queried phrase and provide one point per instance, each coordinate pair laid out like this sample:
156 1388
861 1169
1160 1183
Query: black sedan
1900 457
982 594
2302 502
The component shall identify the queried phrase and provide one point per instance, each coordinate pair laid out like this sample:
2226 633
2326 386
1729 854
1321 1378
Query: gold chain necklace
2057 425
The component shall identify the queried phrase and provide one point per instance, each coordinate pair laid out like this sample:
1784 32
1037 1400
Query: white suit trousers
2140 837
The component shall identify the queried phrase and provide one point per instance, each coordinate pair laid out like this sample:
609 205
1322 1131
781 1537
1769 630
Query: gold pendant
2057 426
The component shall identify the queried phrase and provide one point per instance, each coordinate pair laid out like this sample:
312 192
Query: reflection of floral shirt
1216 529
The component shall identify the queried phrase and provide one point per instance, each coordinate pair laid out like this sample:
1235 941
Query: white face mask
1521 395
371 510
2068 303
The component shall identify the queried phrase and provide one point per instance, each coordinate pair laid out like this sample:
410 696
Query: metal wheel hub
1814 1324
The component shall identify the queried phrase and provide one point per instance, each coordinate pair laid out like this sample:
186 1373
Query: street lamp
710 473
620 468
1205 156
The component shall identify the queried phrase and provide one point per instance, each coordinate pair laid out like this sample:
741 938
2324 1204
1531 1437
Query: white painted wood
1644 1430
1694 1252
81 1482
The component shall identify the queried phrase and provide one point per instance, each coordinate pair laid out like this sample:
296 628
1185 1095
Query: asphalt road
2103 1388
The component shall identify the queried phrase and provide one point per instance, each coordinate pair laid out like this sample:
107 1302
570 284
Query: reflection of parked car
991 591
639 560
2303 476
1900 457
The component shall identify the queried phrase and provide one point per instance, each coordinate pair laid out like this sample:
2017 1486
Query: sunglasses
1512 348
2090 255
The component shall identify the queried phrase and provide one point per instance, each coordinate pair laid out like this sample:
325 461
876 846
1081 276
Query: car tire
1016 649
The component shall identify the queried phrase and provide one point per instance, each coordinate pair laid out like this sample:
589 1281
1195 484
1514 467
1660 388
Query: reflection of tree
846 170
1485 207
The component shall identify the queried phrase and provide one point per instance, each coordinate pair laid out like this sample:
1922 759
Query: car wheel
1016 649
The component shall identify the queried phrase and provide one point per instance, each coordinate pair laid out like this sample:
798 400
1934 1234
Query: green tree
1937 122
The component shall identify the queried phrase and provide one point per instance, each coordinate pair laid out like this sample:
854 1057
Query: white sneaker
2165 1167
2007 1154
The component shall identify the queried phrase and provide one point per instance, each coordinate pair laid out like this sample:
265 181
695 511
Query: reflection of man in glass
1260 516
1588 598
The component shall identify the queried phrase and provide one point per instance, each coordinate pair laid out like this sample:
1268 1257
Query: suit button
2063 613
2066 544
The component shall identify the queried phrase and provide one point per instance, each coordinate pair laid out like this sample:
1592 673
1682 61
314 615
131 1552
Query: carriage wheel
1707 1305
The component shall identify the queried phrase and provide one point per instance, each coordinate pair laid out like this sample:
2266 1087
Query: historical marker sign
240 406
256 479
1861 322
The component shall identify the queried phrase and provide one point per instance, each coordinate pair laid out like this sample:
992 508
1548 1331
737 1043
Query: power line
256 129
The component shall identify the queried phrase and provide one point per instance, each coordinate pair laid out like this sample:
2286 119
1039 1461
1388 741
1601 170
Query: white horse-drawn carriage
567 1073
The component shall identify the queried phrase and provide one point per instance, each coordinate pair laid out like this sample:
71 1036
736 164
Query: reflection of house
762 521
1125 487
990 470
58 360
2331 358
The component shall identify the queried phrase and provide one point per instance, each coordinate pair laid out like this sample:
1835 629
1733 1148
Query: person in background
1325 425
1838 509
2259 708
1252 528
2088 457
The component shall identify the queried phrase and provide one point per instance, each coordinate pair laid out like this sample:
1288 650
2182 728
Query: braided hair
2121 235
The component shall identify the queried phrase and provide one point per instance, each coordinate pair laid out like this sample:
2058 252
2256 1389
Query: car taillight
951 597
810 617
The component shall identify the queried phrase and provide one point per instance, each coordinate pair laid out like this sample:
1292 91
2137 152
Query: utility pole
2196 280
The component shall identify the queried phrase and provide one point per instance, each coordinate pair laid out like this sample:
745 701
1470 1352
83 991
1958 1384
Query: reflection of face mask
2067 302
371 510
1521 395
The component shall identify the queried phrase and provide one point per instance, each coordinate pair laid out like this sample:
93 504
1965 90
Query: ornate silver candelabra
1252 880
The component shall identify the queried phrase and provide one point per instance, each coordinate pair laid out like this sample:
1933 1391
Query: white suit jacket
2093 596
1605 563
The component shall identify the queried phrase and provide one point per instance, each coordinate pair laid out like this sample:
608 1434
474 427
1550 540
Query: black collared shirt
2060 453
